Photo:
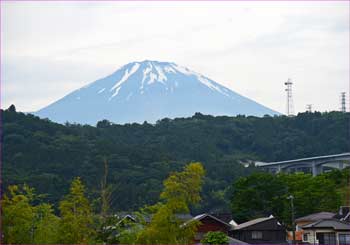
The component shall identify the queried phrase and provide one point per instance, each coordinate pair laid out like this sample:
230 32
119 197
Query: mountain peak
150 90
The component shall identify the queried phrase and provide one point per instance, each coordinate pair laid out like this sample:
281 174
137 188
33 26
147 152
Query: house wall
268 236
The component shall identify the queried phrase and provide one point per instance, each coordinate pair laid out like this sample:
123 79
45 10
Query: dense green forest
48 156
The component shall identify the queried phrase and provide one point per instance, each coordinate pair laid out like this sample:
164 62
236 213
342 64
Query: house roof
343 213
202 216
328 223
316 216
346 218
226 217
128 216
252 222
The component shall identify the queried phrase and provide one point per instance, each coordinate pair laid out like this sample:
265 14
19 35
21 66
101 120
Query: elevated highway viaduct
315 165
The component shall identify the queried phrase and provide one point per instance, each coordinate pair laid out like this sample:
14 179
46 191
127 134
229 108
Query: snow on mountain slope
149 91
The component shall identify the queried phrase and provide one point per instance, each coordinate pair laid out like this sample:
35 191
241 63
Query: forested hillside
47 156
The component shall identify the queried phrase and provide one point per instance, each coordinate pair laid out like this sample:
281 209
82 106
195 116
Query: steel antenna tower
343 102
290 106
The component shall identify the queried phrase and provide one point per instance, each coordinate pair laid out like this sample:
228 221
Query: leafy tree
181 189
12 108
18 215
259 194
215 237
24 223
76 216
47 225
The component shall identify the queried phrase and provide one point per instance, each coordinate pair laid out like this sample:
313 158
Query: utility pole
105 193
291 198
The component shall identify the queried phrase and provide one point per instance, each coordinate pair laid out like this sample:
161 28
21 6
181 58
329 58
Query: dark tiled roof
343 212
226 217
202 216
316 216
328 223
252 222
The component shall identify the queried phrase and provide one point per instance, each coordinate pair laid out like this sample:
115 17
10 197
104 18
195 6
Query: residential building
208 223
305 220
260 231
327 231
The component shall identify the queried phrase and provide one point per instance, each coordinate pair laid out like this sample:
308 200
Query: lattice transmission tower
343 102
290 106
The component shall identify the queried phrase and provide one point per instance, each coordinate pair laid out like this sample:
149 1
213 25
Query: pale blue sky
49 49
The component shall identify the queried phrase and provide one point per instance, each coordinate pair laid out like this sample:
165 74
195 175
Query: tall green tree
181 189
18 215
257 195
47 225
76 216
24 223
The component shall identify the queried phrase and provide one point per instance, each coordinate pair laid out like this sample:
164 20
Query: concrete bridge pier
279 169
316 169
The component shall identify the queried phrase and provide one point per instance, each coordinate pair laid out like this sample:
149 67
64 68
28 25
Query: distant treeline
47 155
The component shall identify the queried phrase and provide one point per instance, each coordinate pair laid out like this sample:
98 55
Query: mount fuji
149 91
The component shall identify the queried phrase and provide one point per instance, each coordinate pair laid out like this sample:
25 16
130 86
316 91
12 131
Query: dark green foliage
263 194
12 108
48 156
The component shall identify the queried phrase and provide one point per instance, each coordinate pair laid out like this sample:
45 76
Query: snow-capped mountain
148 91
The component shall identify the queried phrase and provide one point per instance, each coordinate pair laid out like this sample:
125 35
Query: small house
260 231
208 223
327 231
305 220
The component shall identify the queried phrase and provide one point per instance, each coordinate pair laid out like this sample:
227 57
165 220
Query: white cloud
250 47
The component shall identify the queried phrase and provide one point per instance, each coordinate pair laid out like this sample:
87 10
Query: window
326 238
344 239
256 235
306 237
329 238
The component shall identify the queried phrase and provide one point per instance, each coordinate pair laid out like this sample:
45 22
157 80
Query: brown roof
316 216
